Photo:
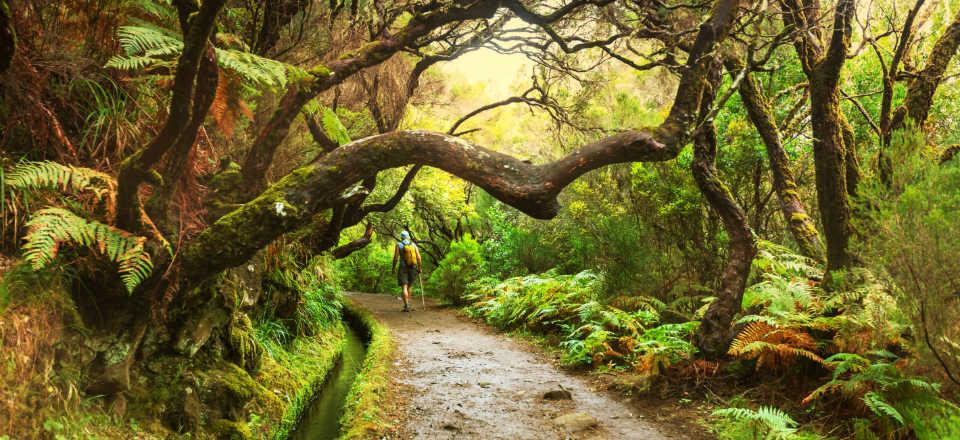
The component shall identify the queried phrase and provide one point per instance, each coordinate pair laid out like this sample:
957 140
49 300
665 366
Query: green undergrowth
588 332
363 413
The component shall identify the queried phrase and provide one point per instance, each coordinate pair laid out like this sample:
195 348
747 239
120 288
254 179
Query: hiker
408 255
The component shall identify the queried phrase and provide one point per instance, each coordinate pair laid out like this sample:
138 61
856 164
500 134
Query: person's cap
404 235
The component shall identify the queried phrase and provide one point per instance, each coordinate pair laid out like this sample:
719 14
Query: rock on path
466 382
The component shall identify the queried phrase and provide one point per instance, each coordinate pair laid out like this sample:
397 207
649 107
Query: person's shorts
406 275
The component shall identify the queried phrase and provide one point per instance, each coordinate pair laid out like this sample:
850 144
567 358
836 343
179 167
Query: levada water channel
321 420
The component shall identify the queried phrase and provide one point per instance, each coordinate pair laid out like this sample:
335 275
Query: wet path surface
465 382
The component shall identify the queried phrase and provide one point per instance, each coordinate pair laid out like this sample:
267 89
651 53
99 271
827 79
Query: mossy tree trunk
715 332
799 223
822 65
920 90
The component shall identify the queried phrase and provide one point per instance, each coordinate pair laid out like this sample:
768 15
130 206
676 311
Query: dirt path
462 381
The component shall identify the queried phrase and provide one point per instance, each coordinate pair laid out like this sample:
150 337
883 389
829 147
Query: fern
766 422
879 406
146 46
773 346
55 176
334 127
50 228
52 176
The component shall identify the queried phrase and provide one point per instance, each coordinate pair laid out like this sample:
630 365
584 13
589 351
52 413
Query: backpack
408 252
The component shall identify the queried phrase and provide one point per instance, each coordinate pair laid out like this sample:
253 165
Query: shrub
367 270
462 265
917 217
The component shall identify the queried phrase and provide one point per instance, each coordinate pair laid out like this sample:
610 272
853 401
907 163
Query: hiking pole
423 302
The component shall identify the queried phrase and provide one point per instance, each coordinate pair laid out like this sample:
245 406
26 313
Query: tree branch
292 202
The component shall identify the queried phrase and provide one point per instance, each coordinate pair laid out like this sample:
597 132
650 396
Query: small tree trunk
800 224
715 331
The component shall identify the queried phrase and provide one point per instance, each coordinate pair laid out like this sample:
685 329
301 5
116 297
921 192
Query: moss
247 351
231 382
363 413
798 217
230 430
320 71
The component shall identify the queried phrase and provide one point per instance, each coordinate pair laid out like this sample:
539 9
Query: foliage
772 346
789 316
55 177
896 400
317 300
51 228
462 265
592 333
147 47
916 216
763 423
367 270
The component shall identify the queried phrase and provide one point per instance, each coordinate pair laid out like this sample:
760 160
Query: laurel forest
741 210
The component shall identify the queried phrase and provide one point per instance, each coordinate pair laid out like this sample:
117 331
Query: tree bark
822 68
8 38
276 15
916 105
136 169
715 332
799 223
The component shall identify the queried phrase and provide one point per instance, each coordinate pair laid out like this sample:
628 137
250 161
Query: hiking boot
405 309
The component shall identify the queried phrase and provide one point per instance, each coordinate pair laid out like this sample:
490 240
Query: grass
363 415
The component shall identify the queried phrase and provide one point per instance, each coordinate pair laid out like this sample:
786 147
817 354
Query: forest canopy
769 181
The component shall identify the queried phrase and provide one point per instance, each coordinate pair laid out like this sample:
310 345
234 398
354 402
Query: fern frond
753 332
52 176
51 228
253 68
148 40
334 127
772 423
880 407
773 346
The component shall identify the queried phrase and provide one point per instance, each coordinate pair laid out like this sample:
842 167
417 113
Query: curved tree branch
533 189
355 245
260 156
